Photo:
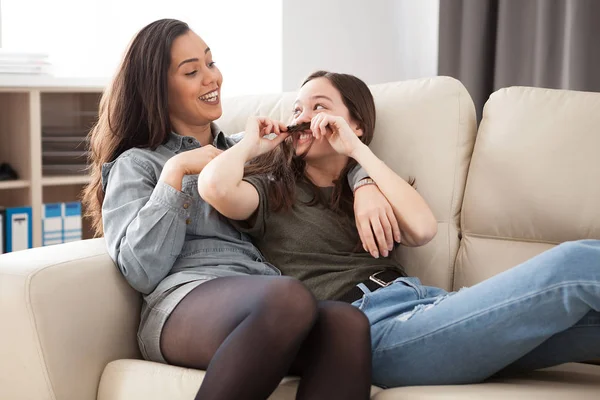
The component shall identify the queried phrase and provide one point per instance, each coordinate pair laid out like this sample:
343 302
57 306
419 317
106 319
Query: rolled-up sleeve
255 226
144 222
356 174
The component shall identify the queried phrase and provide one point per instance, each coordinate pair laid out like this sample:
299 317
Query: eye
319 107
211 64
192 73
296 111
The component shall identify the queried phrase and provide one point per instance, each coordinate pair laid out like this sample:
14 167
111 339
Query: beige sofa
529 182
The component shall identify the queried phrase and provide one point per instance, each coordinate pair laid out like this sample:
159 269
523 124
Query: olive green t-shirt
311 243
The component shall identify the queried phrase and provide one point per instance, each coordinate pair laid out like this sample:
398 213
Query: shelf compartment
15 132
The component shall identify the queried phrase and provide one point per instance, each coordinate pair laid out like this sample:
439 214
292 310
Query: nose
210 76
305 116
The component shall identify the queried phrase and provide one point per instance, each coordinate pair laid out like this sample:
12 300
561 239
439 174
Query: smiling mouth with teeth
298 131
304 136
211 97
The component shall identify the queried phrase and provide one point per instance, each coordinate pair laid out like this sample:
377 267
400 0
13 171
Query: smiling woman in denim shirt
211 301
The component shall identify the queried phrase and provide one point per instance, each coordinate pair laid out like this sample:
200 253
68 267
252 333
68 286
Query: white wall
376 40
0 24
260 45
87 38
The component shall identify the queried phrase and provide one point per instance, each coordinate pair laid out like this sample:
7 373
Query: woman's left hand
336 130
375 221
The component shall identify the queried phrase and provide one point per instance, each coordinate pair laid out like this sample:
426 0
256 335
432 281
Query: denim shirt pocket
189 186
204 220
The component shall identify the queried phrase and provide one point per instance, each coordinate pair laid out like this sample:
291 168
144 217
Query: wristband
363 182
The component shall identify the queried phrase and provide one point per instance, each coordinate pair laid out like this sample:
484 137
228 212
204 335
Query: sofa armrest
66 312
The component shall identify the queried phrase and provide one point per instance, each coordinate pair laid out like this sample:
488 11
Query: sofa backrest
425 129
534 179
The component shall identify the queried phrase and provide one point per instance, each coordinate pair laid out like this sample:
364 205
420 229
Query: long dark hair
134 108
286 168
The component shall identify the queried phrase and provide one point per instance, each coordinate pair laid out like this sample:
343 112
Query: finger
261 121
267 124
369 239
282 126
360 233
273 124
394 223
379 236
387 231
323 127
268 128
313 126
279 139
275 127
322 124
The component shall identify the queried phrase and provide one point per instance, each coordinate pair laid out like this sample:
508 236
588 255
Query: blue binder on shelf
52 224
71 216
18 228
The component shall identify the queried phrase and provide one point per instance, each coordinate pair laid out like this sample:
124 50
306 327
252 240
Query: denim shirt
160 237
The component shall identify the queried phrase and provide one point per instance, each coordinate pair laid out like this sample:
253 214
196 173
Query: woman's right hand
256 130
190 162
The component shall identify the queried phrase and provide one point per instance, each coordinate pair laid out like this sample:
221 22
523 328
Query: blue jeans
541 313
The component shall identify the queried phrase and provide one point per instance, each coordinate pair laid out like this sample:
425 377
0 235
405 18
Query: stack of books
21 62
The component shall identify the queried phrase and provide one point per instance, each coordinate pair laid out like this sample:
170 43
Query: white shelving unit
30 106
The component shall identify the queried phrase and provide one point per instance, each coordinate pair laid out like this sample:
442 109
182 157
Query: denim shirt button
190 141
186 205
187 221
258 259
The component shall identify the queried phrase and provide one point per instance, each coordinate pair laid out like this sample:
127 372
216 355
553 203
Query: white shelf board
51 83
65 180
17 184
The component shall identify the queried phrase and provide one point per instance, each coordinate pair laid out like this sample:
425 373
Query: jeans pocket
414 284
362 302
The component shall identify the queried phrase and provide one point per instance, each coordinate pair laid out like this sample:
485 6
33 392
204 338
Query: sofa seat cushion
136 379
568 381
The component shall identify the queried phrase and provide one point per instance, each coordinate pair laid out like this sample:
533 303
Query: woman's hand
190 162
336 130
375 221
256 130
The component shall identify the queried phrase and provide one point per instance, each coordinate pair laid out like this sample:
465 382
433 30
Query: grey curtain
490 44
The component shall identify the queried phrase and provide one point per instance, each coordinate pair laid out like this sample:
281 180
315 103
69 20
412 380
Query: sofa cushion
425 129
567 381
533 179
135 379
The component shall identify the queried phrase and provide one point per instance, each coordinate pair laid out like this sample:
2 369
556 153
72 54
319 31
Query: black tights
249 332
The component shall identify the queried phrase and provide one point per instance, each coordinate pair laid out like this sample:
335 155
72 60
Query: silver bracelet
363 182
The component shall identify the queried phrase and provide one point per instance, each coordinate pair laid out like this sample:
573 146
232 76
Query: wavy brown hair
285 168
134 108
